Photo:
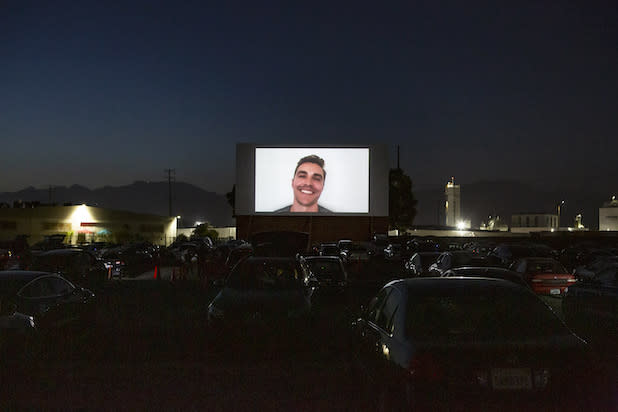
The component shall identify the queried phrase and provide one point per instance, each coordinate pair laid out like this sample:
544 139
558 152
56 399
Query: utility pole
171 177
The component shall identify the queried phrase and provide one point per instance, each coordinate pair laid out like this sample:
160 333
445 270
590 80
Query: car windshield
469 260
546 267
489 317
326 269
264 274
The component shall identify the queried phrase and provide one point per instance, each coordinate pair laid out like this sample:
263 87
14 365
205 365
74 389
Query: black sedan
78 265
590 306
459 258
325 272
56 304
262 297
477 343
418 264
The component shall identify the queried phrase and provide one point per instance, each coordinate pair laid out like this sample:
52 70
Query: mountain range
188 201
478 201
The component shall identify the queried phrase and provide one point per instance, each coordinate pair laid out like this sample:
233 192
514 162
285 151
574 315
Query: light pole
559 207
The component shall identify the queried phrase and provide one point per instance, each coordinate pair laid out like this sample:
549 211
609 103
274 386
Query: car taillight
424 367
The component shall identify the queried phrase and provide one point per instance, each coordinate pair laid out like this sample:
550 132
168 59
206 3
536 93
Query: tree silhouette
401 200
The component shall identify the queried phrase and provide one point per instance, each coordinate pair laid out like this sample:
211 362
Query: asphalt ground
150 349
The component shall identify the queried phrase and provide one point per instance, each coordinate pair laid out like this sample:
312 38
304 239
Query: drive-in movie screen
325 180
311 179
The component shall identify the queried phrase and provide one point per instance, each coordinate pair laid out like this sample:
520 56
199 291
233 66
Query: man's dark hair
311 159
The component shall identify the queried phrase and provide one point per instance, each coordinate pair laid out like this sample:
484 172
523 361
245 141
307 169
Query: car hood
264 301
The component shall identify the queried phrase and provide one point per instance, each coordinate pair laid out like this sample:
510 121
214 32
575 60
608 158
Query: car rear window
323 269
480 317
264 275
545 267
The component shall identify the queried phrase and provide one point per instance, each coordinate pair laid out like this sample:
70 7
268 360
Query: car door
368 339
52 301
37 299
379 341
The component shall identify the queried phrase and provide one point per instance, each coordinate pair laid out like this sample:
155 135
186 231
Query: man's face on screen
307 184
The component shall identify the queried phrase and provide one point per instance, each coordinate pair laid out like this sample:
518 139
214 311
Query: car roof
13 280
460 285
61 252
274 259
494 269
322 258
428 253
539 259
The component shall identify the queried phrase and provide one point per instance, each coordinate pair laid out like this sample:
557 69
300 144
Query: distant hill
505 198
478 201
188 201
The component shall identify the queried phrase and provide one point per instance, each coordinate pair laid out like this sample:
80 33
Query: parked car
263 297
326 273
508 253
421 245
393 251
19 340
545 276
77 265
355 253
15 254
597 264
129 260
57 305
419 263
431 343
328 249
590 305
458 258
488 272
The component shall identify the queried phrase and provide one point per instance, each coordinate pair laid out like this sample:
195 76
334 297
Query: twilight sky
98 94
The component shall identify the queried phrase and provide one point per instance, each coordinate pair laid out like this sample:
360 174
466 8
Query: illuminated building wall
85 224
452 204
608 215
534 222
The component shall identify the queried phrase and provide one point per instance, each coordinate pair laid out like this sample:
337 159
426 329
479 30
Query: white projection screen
355 181
345 188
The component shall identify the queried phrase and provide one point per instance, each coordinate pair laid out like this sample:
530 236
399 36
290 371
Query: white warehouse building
85 224
608 215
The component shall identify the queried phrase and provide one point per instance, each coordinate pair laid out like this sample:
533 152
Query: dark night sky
99 95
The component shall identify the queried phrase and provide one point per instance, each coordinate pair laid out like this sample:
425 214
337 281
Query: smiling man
307 185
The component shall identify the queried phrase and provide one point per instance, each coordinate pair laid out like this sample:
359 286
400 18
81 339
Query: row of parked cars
470 333
464 330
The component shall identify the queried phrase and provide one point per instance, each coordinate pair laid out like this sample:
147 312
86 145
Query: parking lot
149 346
150 350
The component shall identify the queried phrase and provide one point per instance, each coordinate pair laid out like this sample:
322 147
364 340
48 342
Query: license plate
511 378
554 291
